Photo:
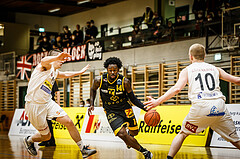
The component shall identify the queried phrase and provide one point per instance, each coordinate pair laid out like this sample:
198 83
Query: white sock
30 139
80 144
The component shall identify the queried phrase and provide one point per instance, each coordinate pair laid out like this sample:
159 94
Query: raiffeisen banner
169 126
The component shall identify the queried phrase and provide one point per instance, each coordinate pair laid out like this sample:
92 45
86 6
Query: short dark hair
113 60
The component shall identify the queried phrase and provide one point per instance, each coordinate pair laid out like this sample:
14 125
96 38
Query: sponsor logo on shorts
215 112
59 111
191 127
129 113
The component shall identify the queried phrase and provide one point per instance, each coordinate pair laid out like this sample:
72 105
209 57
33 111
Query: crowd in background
158 28
68 39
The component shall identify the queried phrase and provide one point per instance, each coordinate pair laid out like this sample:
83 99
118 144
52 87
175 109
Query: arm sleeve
135 101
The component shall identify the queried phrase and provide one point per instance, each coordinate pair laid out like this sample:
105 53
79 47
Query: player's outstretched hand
151 103
63 56
85 68
90 109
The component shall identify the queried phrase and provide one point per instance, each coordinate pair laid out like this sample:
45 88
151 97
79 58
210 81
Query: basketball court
12 147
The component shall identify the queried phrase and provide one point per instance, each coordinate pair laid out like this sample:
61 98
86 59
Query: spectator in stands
73 41
158 31
93 30
79 34
169 31
87 103
66 36
82 103
156 19
58 43
45 45
199 7
87 32
40 38
148 17
136 35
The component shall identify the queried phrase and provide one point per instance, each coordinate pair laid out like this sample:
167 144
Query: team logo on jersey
119 81
114 98
47 87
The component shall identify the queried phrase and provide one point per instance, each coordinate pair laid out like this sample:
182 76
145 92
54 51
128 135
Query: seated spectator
169 31
57 43
88 103
156 19
148 17
82 103
136 35
93 30
79 34
87 32
66 36
158 31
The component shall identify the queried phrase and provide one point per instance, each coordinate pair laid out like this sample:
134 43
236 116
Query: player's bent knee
46 137
133 132
122 134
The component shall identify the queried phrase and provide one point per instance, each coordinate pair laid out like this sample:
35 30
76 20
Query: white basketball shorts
212 113
39 113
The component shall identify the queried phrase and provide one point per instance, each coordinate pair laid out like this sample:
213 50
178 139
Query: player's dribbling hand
151 103
63 56
90 109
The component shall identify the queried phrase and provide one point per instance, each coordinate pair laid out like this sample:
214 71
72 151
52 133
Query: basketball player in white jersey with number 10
39 105
208 102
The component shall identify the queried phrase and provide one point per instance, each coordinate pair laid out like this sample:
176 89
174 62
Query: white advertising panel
21 125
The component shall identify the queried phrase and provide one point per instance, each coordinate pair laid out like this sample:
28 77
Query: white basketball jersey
40 86
203 80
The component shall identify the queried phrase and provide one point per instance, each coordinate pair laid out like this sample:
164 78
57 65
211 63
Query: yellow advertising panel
77 115
169 126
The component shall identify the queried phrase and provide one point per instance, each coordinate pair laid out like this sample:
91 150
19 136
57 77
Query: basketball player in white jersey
208 102
39 105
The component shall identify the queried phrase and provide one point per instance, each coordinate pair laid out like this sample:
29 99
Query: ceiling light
84 1
54 10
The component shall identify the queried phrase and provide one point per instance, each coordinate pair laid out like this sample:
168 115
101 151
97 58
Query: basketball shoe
29 146
147 155
87 152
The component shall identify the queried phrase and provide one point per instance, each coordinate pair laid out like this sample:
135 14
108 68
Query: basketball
152 118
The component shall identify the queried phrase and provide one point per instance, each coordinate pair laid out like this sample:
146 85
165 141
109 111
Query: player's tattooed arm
132 97
93 92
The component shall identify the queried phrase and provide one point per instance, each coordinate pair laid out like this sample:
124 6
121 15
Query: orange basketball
152 118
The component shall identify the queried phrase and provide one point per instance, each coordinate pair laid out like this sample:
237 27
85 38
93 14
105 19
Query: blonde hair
197 51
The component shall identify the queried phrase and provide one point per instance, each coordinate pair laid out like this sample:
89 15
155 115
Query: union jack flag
24 66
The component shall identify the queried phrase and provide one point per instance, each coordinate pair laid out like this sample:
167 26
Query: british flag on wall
24 67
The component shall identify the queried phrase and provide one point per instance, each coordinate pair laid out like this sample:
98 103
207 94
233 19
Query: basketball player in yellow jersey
39 105
115 92
208 102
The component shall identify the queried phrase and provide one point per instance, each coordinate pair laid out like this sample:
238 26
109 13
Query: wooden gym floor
11 147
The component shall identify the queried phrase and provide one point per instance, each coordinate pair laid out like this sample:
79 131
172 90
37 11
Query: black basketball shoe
29 146
147 155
